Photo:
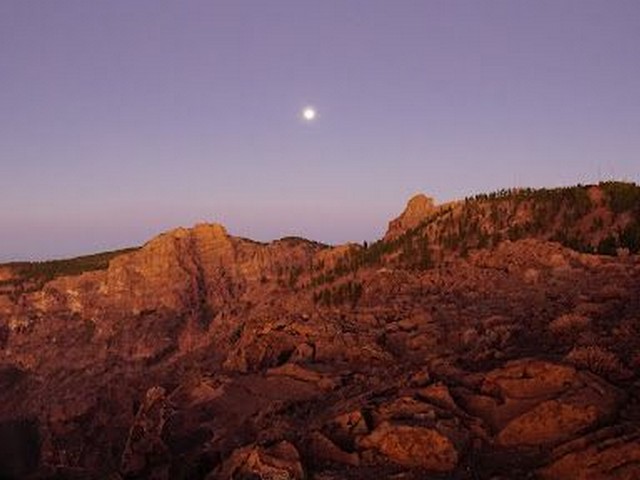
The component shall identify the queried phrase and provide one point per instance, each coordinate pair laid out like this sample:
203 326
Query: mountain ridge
204 355
618 196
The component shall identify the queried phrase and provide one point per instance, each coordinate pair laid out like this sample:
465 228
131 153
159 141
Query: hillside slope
602 219
496 337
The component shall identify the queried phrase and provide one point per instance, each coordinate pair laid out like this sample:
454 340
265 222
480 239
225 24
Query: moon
309 114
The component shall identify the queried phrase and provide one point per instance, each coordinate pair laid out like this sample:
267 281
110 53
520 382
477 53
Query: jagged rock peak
214 230
210 228
418 204
418 208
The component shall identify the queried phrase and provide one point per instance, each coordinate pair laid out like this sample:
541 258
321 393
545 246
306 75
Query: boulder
323 450
550 421
415 447
614 459
528 378
278 462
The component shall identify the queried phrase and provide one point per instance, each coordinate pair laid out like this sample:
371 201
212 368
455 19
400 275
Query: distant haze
120 119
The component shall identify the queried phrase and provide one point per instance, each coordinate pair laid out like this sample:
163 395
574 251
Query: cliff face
203 355
178 282
418 209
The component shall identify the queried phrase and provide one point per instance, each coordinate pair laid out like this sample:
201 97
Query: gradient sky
122 118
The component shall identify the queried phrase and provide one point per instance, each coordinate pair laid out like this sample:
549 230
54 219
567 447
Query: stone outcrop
281 461
202 355
144 453
550 421
413 447
417 210
609 457
323 450
535 403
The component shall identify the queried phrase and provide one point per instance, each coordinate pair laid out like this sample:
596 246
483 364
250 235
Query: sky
120 119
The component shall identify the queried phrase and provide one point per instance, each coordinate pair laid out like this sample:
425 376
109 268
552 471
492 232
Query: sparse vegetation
398 310
345 293
567 327
598 360
236 334
485 220
48 270
621 196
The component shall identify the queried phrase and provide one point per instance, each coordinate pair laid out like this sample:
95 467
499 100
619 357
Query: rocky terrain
492 338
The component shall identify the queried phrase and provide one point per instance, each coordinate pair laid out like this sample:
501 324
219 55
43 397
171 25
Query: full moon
309 114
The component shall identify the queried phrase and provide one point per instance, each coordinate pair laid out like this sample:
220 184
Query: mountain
597 218
493 337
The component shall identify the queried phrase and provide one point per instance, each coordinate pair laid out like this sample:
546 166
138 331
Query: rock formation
417 210
453 348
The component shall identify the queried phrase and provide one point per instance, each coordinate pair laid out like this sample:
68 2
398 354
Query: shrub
598 360
345 293
569 325
50 269
621 196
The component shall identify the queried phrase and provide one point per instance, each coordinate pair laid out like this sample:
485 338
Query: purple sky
120 119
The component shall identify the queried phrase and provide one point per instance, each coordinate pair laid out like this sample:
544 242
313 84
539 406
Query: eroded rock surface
418 209
202 355
413 447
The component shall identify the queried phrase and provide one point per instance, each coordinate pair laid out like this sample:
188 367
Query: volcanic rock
413 446
482 339
418 209
614 457
280 461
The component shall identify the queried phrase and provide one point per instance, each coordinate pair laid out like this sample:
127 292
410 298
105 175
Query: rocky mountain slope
495 337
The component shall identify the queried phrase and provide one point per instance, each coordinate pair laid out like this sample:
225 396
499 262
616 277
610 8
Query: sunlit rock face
204 355
418 209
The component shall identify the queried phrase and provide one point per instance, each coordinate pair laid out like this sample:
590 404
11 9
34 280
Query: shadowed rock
477 343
